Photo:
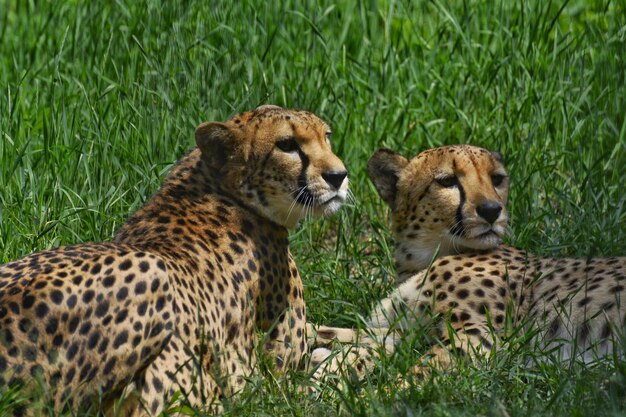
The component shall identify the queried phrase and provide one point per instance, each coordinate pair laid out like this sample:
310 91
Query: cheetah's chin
487 240
331 205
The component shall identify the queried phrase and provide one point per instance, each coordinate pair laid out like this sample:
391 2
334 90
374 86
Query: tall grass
98 99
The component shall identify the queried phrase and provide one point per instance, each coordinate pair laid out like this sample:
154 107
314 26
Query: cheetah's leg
392 315
402 310
353 353
347 360
358 359
469 341
318 335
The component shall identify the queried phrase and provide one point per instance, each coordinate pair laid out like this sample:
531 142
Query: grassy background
98 99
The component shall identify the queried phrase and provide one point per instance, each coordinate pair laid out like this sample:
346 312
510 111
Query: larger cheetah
177 300
451 201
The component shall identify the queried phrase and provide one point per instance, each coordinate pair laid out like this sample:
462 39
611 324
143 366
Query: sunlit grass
98 99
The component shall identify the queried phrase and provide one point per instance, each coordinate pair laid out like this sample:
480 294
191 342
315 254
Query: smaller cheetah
450 201
192 285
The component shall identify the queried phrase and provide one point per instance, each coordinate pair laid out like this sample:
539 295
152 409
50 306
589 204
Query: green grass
98 99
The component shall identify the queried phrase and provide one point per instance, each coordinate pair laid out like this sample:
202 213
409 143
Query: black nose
334 178
489 211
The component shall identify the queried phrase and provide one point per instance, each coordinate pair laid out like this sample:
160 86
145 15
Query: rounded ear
384 168
498 156
266 107
217 143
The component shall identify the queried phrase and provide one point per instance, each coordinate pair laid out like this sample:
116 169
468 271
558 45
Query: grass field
98 99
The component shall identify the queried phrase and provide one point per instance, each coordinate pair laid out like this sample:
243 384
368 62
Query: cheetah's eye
448 181
497 179
327 136
288 145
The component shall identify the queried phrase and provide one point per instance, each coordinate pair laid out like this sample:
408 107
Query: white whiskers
296 196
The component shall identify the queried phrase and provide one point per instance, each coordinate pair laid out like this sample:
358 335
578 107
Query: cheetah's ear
498 156
219 145
384 169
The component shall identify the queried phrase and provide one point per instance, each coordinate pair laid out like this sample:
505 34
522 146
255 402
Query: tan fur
430 219
177 301
574 308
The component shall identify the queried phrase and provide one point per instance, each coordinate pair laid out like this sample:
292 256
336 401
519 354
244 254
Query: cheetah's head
278 161
449 199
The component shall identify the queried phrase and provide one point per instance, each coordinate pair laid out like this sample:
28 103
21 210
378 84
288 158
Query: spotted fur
177 300
445 201
574 308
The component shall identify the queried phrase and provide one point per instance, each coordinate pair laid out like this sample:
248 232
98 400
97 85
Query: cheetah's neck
415 256
192 202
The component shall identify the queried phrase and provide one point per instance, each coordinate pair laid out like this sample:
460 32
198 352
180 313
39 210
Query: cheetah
448 214
191 284
435 213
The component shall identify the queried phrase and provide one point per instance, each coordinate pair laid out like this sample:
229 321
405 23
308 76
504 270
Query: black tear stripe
421 197
260 167
458 229
265 160
302 194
